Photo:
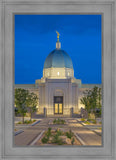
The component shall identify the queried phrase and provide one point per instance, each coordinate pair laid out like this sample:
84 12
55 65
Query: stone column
71 112
45 112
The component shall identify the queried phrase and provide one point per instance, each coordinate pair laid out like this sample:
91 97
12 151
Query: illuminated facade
58 90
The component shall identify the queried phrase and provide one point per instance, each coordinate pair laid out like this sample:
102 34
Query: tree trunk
23 119
30 114
95 115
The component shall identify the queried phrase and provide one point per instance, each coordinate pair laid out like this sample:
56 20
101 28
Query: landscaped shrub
45 139
54 121
60 142
25 121
59 132
19 123
28 121
87 122
69 134
48 133
49 129
72 141
82 119
56 139
93 121
62 121
59 121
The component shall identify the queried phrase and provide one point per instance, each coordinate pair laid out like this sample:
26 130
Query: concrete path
87 136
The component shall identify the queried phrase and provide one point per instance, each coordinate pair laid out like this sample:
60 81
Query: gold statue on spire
57 35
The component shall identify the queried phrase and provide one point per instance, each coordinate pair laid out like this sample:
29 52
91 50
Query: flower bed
90 121
58 137
59 121
27 122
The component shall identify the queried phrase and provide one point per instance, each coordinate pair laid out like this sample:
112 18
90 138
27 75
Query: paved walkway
86 135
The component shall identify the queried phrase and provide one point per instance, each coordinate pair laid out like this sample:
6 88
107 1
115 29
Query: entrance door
58 104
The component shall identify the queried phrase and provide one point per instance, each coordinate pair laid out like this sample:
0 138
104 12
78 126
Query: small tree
99 102
86 100
92 100
20 101
32 101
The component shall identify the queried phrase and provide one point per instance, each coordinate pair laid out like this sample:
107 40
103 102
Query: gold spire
57 36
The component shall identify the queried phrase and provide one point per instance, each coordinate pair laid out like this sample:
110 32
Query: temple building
59 92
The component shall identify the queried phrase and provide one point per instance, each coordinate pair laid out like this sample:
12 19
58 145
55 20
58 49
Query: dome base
58 73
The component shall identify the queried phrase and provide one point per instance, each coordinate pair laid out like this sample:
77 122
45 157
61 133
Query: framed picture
69 93
63 93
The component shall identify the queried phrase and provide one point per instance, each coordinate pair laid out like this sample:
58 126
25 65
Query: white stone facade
58 87
70 89
58 91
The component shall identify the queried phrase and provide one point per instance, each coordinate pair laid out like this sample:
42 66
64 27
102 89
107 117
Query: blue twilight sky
35 38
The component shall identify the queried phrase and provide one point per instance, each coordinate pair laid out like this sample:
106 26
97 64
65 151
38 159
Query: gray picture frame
10 7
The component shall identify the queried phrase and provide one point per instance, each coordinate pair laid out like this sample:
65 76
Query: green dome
58 59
